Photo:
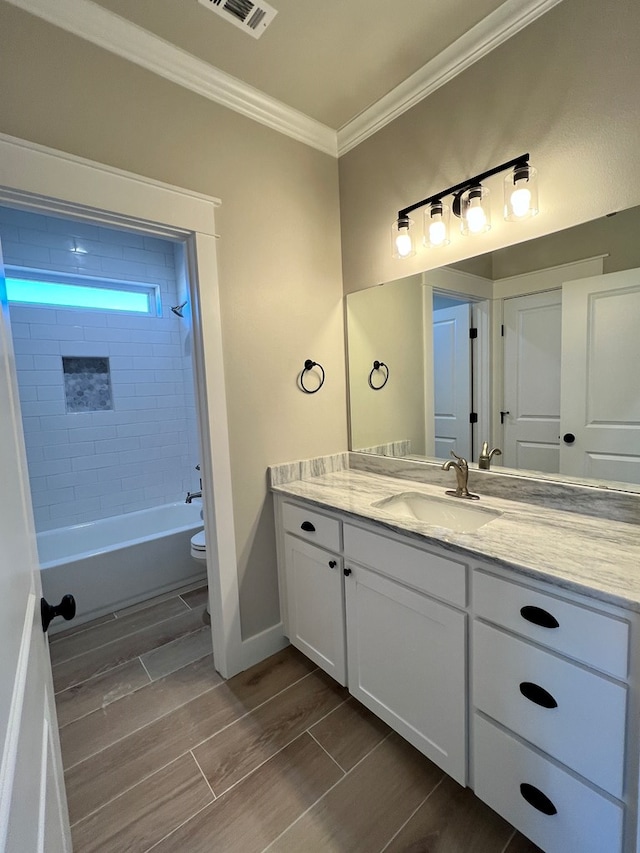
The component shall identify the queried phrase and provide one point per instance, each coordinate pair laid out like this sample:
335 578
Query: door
407 663
531 403
315 604
600 425
452 380
33 807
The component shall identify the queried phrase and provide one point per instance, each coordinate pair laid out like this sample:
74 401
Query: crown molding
489 33
117 35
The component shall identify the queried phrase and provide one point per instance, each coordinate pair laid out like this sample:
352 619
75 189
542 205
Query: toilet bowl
198 546
199 552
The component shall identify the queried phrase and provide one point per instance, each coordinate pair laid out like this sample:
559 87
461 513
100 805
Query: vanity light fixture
471 205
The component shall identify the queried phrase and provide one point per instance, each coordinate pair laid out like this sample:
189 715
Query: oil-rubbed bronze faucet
484 460
461 467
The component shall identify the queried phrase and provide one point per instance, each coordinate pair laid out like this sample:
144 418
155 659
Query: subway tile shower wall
89 465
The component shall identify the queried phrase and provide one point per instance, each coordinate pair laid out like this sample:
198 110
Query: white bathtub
114 562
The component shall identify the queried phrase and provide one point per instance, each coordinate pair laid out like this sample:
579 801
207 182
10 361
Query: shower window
31 287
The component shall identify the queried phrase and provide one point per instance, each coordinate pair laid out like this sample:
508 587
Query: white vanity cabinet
314 589
550 705
525 691
403 634
406 651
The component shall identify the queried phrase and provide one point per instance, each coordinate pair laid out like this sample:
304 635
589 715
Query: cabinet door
315 604
407 663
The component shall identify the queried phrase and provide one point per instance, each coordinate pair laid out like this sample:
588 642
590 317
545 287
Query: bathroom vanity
506 650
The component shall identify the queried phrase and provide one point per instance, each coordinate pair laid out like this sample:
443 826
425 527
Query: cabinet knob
538 616
332 564
537 799
346 572
538 695
306 525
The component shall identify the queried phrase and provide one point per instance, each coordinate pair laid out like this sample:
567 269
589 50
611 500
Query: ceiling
327 72
330 59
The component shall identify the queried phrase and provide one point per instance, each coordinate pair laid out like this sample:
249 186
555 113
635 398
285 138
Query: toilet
199 552
199 546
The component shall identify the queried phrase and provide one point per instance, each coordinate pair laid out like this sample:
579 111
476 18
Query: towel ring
309 365
377 365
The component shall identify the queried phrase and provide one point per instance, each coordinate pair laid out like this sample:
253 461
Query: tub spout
192 495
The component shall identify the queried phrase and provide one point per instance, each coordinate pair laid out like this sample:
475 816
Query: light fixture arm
523 160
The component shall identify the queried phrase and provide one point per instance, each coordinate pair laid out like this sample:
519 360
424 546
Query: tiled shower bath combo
108 406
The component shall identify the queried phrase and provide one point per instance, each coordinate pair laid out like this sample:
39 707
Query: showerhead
177 309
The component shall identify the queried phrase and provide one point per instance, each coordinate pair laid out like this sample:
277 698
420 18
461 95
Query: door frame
34 177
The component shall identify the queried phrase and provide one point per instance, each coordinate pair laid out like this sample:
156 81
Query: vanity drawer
442 577
311 525
597 639
515 683
509 777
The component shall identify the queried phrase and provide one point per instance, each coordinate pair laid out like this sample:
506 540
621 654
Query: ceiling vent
253 18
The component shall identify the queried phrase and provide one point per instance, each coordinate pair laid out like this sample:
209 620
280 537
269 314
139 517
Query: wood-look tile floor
162 754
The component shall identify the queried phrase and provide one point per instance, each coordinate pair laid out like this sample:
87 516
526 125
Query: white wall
88 465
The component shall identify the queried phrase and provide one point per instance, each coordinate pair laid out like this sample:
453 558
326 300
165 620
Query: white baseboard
261 645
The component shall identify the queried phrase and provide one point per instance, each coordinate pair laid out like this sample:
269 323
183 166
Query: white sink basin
452 513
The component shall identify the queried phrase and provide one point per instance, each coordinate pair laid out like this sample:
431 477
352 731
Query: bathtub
114 562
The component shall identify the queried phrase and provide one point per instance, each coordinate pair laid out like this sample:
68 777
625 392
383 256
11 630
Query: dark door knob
568 438
66 609
346 572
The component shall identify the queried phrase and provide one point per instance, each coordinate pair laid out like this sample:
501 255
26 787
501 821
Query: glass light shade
475 211
402 241
520 193
436 225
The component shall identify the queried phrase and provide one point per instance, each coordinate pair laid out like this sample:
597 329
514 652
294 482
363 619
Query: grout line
193 698
203 774
81 629
147 671
328 791
130 788
125 636
326 751
509 840
248 713
63 663
176 828
103 706
328 714
414 812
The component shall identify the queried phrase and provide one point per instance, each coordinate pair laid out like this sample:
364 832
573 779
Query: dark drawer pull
332 564
538 695
539 616
537 799
306 525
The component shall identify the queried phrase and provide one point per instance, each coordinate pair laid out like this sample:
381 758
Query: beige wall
563 89
386 324
279 249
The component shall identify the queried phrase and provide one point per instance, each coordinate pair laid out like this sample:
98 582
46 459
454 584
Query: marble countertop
595 557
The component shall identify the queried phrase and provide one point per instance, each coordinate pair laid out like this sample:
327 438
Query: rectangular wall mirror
533 348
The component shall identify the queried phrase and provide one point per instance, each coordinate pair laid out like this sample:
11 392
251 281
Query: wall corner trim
130 41
489 33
